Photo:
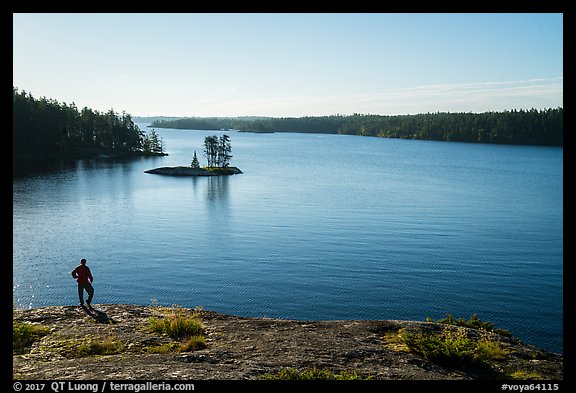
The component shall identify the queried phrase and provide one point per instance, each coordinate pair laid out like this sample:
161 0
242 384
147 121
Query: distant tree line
525 127
45 128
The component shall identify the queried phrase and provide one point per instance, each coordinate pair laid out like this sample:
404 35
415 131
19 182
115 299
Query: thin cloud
537 84
466 97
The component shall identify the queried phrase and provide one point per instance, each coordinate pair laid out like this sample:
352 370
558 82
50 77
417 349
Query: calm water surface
317 227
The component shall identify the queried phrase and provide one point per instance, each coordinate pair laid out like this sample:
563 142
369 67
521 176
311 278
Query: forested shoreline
45 129
523 127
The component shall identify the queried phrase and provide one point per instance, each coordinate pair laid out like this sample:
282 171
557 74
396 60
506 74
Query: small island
217 151
189 171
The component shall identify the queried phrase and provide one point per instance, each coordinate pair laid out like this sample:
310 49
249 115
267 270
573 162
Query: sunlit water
317 227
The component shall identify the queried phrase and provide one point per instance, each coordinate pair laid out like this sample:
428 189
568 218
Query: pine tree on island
217 151
195 163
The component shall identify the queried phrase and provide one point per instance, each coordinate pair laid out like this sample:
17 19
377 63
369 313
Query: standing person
83 275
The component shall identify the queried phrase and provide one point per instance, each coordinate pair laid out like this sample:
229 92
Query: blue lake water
317 227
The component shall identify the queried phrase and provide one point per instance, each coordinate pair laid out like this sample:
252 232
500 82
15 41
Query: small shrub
430 346
454 347
488 348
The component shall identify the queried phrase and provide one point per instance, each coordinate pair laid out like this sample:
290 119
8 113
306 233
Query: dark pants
89 289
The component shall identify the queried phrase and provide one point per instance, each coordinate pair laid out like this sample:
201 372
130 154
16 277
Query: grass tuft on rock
105 346
179 324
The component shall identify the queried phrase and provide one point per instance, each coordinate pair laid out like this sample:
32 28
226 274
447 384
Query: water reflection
21 169
47 167
217 189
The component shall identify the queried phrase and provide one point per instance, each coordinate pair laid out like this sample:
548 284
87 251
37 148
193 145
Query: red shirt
82 273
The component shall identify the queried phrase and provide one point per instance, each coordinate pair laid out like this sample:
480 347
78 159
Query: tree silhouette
195 163
217 151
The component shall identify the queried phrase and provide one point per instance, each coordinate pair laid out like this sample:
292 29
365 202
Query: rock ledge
189 171
241 348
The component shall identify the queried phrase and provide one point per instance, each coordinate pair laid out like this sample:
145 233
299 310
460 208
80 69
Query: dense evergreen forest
46 129
524 127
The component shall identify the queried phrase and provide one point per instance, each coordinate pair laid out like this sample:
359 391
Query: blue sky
291 64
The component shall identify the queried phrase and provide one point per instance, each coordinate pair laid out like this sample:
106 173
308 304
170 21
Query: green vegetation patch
315 374
105 346
87 346
220 170
189 344
394 342
454 347
181 325
25 334
526 375
177 324
469 345
474 322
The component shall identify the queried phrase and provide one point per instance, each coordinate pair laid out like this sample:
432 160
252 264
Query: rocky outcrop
189 171
246 348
